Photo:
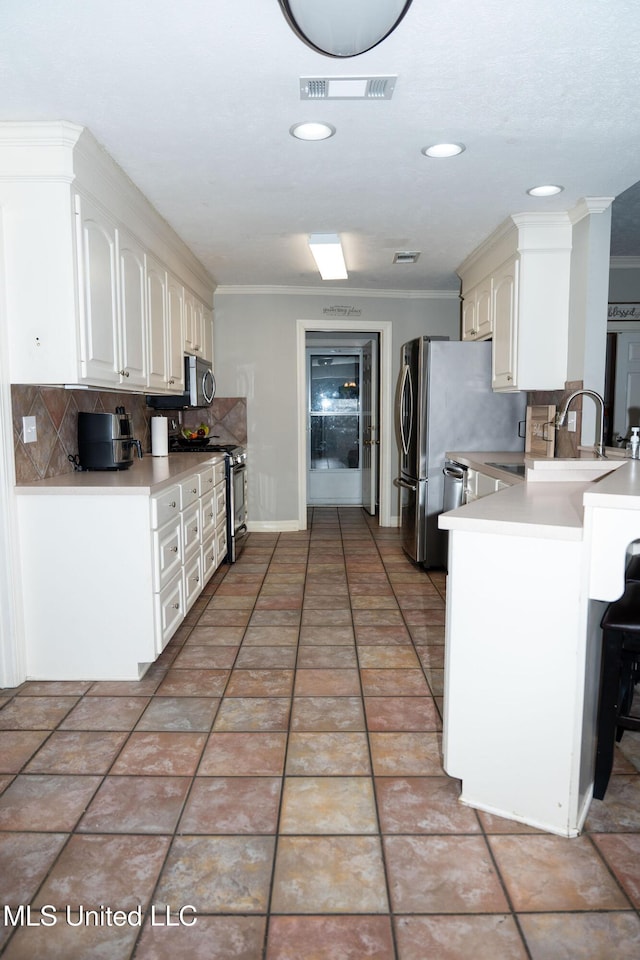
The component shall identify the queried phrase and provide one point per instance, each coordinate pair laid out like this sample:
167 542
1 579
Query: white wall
255 333
589 293
624 283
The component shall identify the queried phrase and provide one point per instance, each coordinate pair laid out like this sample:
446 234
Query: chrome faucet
599 402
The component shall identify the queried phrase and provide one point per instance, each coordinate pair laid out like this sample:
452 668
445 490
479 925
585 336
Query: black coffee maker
106 441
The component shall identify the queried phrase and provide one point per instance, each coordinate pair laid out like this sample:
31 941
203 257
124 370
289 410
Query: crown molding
588 205
249 290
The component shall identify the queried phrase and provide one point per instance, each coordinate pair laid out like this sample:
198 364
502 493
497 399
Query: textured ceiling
195 101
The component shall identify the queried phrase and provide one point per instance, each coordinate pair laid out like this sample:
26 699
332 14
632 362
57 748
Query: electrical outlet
29 431
572 421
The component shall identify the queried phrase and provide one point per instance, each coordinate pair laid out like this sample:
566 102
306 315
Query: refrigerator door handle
406 381
400 482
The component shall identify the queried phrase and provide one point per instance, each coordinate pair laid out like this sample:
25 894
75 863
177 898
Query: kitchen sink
517 468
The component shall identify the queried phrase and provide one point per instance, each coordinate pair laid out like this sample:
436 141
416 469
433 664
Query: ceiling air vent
347 88
406 256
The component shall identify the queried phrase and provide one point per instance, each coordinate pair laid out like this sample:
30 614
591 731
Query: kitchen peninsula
112 561
531 570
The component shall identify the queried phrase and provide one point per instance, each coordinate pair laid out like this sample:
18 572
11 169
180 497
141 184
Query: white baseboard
289 526
273 526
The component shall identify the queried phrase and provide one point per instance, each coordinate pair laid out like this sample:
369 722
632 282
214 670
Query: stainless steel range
236 481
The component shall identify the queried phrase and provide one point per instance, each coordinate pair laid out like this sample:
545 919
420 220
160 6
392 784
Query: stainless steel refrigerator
445 403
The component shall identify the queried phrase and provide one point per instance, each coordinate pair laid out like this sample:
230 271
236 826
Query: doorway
336 431
622 385
371 344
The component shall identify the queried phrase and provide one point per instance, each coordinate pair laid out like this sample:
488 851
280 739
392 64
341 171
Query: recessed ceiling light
444 149
312 130
545 190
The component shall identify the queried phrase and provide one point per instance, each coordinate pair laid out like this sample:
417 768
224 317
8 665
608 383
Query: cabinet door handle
124 373
509 377
173 504
176 606
174 549
170 382
195 490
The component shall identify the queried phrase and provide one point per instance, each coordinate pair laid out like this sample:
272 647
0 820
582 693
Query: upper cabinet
477 315
96 281
515 289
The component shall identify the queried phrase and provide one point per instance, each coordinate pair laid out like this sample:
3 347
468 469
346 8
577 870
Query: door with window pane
334 427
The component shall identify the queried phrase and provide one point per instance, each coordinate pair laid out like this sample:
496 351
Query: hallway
277 776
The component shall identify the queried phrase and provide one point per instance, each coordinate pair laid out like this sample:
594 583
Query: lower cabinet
481 485
109 576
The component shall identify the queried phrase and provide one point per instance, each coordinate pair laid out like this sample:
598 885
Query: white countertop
478 460
620 489
143 477
544 509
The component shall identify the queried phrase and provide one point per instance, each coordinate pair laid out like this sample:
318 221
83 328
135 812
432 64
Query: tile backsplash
56 411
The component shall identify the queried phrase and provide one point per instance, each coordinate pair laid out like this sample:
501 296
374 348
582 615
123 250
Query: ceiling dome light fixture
443 150
312 130
545 190
339 29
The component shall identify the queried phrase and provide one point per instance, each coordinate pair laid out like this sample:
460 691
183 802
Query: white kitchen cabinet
198 326
505 326
157 324
525 265
101 313
207 334
133 314
192 335
194 325
98 275
175 335
480 484
477 313
169 610
113 570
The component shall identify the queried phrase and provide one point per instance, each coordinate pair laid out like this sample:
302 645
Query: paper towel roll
159 437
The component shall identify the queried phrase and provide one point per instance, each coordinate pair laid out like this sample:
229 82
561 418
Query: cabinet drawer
164 506
170 610
207 480
191 528
167 553
219 472
221 543
209 563
189 490
220 504
193 581
208 515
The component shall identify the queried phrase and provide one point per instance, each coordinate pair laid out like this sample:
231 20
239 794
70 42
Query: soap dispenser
633 447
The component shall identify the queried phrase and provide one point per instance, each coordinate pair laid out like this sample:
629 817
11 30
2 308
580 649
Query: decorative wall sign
340 310
623 311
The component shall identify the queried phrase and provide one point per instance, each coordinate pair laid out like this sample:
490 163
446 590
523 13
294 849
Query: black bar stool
620 672
632 573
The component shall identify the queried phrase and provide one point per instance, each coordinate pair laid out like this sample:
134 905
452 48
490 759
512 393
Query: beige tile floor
277 776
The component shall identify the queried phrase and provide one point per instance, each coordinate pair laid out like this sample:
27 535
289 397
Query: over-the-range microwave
200 387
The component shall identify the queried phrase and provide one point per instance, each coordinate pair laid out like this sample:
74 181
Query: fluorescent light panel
327 252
